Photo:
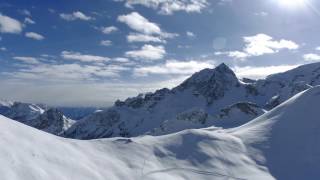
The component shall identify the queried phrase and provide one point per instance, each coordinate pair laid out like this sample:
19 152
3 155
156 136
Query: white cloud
311 57
234 54
184 46
261 72
225 2
77 15
170 6
28 20
34 36
262 14
264 44
25 12
27 60
318 48
147 52
3 48
9 25
238 54
260 44
105 43
66 72
83 57
174 67
147 31
52 10
139 23
190 34
109 30
137 37
121 59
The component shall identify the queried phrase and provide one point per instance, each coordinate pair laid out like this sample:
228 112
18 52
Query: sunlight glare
292 3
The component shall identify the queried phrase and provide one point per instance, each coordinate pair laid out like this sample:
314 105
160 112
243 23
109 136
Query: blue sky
92 52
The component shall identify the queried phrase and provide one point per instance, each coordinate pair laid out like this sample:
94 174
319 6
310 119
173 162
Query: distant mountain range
211 97
52 120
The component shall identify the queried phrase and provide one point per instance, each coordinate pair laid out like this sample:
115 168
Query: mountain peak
211 83
223 66
222 73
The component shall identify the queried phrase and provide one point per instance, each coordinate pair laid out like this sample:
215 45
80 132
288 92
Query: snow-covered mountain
215 93
24 112
281 144
49 120
52 121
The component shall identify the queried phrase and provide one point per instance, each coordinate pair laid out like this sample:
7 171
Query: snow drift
288 137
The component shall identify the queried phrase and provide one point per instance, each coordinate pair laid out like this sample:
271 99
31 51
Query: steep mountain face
50 120
211 84
210 97
281 144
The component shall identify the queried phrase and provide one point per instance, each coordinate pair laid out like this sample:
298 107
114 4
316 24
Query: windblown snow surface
281 144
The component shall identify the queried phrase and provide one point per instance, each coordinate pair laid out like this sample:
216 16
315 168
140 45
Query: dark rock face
52 121
4 109
245 107
194 116
211 83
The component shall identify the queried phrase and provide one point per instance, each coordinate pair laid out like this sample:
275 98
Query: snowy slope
29 154
209 91
288 137
281 144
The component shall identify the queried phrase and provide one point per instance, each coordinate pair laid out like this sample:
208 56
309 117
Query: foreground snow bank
30 154
288 137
